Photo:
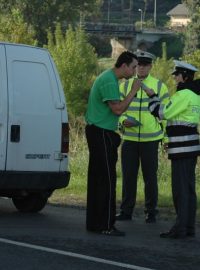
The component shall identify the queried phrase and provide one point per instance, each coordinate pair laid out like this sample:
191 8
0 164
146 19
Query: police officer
141 136
183 115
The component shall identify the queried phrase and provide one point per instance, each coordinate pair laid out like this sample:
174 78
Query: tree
192 34
162 69
194 59
14 29
43 15
76 62
174 46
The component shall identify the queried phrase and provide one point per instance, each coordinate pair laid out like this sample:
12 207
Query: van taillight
65 138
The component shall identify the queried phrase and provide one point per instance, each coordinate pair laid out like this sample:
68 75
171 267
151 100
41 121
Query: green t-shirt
105 88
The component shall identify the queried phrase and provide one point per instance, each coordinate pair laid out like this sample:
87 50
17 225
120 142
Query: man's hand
136 85
118 107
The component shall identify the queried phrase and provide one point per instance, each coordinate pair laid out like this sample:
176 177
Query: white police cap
181 66
144 56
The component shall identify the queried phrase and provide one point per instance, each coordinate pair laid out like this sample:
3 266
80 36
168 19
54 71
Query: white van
34 132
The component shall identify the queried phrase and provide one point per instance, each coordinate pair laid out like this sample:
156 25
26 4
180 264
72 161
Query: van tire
31 203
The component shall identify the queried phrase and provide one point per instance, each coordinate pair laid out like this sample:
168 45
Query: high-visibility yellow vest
150 128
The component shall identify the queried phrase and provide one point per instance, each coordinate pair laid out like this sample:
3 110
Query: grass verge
75 193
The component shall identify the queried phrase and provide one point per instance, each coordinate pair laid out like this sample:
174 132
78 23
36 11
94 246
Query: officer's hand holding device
131 122
148 90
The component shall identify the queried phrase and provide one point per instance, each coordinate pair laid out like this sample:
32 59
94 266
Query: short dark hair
125 57
186 73
189 76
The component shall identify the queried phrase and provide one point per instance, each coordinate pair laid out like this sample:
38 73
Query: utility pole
155 13
109 3
141 18
131 11
81 19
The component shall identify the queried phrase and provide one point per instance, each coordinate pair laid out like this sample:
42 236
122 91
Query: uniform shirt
104 89
183 115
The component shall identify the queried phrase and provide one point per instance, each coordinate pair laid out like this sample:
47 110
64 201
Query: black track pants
184 194
101 187
133 154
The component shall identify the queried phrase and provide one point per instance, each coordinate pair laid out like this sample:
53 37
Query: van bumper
33 180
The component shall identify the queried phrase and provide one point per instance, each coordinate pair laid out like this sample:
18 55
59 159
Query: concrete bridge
125 36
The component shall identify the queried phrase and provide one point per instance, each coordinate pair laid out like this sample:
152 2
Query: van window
29 78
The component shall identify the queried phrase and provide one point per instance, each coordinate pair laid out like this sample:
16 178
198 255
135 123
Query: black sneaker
113 232
190 231
150 218
173 234
190 234
122 216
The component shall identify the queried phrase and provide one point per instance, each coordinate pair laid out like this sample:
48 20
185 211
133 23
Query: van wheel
31 203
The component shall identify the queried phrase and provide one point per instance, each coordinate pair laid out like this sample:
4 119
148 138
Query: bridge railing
108 28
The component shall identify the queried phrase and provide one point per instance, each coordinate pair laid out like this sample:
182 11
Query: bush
77 65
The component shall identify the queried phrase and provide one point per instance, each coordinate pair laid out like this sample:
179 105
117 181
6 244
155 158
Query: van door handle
60 105
15 133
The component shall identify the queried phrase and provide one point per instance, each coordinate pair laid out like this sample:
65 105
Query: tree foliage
76 62
162 69
174 46
14 29
192 34
43 15
194 59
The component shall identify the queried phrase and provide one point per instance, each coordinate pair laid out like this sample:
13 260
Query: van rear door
35 111
3 108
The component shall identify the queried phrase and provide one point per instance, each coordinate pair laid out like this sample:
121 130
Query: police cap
144 57
182 67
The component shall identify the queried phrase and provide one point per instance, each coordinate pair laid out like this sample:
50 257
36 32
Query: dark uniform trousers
134 153
101 187
184 194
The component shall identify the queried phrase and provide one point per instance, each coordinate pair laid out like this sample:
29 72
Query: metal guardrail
110 29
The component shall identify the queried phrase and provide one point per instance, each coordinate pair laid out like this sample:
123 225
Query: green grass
75 193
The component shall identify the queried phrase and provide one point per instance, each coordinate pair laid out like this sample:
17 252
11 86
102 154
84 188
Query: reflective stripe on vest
159 86
143 135
164 96
184 138
126 87
180 123
141 100
134 108
160 111
186 149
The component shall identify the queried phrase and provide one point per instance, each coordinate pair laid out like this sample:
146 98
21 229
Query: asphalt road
56 239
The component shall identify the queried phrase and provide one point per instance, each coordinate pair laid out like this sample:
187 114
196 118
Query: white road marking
75 255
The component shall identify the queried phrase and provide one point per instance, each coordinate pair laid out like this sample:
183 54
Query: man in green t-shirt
104 108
